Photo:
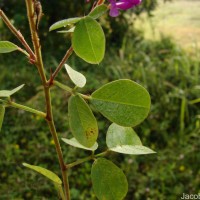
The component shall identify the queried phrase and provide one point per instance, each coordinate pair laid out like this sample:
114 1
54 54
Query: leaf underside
45 172
73 142
7 47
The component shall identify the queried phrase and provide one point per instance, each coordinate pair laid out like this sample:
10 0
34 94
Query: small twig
18 35
63 61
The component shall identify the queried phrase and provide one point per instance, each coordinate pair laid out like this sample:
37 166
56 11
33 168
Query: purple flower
115 6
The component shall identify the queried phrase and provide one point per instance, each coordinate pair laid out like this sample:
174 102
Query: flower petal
114 12
113 9
127 4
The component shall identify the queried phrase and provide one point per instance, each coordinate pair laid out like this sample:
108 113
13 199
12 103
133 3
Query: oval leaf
125 140
109 181
82 121
76 77
123 102
88 41
98 11
45 172
73 142
2 112
8 93
64 23
7 47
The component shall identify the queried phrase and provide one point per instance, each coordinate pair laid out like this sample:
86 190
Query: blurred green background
156 45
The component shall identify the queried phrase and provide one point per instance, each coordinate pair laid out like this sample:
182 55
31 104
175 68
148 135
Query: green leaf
60 191
71 30
73 142
2 112
119 135
64 23
82 121
88 40
45 172
76 77
133 150
7 47
98 11
109 181
8 93
125 140
123 102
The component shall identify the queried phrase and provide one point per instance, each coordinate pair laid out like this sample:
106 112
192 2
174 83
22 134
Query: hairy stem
17 34
49 114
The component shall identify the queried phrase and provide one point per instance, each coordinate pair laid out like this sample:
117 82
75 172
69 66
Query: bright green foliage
109 181
7 47
123 101
77 78
45 172
88 40
64 23
125 140
82 121
73 142
2 112
98 11
8 93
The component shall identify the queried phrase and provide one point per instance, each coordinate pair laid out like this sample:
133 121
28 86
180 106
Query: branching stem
49 115
18 34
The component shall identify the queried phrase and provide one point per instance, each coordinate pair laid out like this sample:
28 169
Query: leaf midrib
122 103
90 40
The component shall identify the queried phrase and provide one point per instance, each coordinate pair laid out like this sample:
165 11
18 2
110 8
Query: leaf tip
25 164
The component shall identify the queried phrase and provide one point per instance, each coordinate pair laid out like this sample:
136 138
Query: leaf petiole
25 108
91 157
62 86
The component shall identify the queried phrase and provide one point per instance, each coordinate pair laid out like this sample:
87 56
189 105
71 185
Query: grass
179 19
